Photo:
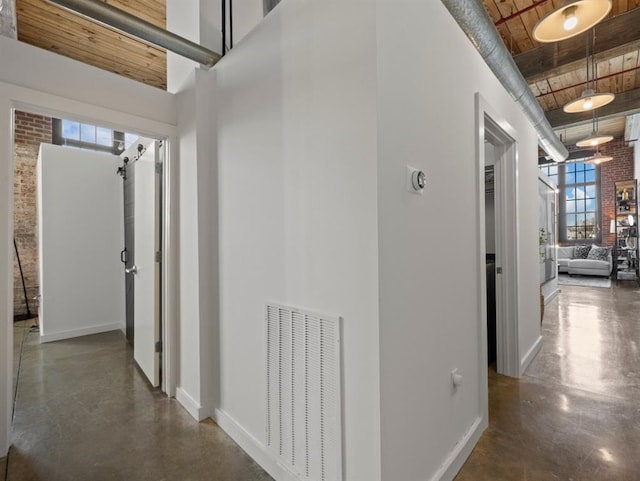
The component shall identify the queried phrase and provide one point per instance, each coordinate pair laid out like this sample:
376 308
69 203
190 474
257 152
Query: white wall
430 321
81 234
636 159
489 204
198 365
298 212
201 21
35 80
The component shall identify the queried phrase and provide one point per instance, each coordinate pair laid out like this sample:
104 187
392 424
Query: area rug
583 281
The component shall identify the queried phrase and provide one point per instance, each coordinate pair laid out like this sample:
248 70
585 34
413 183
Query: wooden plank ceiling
48 26
556 73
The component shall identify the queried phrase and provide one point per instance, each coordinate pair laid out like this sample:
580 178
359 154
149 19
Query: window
551 171
579 204
129 139
91 137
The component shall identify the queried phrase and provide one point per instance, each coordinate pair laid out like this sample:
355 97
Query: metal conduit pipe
477 25
118 19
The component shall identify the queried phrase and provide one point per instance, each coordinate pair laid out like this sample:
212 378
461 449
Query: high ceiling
48 26
556 73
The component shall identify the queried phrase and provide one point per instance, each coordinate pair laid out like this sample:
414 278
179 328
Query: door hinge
158 167
498 270
159 346
158 256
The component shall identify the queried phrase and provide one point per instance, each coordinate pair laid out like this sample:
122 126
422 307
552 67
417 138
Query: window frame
59 139
562 201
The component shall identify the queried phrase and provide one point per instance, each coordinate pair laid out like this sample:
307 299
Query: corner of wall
254 448
530 355
192 406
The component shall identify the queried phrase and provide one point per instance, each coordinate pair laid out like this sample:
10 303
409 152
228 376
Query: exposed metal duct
477 25
118 19
8 18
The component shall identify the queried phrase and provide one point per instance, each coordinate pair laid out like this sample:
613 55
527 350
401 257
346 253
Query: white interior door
146 312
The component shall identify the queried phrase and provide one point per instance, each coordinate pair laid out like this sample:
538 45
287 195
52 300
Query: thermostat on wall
416 180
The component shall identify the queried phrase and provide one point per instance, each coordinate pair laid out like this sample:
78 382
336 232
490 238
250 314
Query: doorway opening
67 186
496 153
502 150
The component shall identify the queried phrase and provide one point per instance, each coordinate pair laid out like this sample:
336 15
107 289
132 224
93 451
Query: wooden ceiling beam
615 36
625 103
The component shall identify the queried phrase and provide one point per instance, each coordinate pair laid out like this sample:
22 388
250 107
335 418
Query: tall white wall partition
81 234
315 134
298 209
430 321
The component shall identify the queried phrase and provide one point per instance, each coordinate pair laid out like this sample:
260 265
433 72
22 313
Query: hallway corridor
574 415
84 412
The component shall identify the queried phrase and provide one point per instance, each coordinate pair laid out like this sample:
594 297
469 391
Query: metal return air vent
303 392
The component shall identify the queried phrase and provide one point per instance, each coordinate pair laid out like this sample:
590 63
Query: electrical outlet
456 378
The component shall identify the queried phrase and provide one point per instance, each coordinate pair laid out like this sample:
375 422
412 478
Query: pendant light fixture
589 99
571 19
598 158
595 138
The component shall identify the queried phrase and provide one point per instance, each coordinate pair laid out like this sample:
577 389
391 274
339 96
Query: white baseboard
551 296
253 447
459 455
83 331
528 357
191 405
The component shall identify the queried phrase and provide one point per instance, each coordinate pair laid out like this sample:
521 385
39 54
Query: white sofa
567 262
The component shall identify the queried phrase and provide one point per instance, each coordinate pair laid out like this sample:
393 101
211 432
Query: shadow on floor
84 412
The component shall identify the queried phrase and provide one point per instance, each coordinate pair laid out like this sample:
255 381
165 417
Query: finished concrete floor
84 412
575 414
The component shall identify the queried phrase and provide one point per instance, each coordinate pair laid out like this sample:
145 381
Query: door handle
132 270
124 256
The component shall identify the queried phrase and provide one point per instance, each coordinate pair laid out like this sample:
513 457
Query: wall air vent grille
303 392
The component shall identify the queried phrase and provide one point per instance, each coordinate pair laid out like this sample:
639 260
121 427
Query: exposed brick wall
30 131
616 170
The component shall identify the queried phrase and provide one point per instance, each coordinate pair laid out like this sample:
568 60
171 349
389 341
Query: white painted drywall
201 21
81 234
23 65
189 365
38 81
198 366
298 208
6 268
489 204
636 158
429 295
183 18
490 222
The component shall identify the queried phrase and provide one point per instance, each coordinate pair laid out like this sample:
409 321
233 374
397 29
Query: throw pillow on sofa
565 252
581 252
599 253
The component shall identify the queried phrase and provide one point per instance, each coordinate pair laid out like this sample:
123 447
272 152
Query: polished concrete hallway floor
84 412
575 414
